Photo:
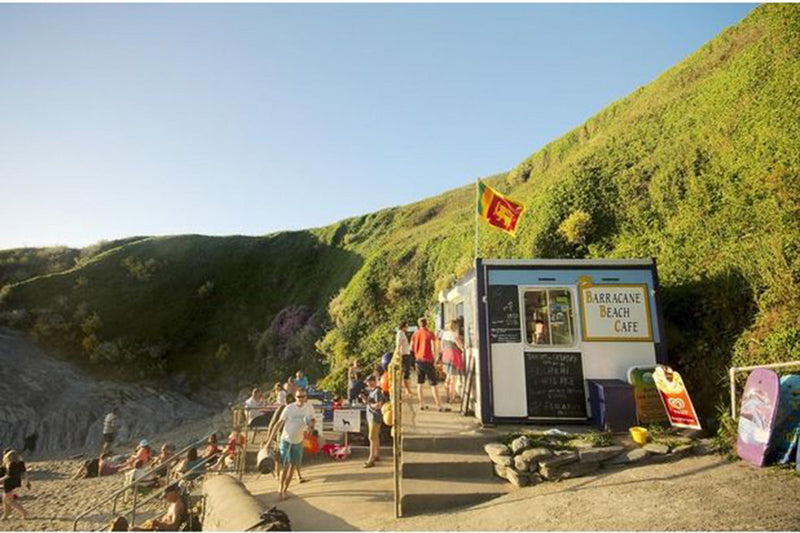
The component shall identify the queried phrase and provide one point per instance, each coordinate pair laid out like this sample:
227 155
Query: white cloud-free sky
119 120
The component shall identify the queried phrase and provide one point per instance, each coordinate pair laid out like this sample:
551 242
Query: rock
559 459
630 457
518 479
534 479
520 444
656 449
598 455
520 464
682 451
505 460
497 448
500 471
534 455
570 470
704 447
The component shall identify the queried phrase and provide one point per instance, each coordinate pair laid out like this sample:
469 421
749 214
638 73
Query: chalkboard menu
554 382
504 323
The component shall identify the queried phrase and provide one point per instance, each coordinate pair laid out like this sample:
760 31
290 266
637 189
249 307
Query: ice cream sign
615 312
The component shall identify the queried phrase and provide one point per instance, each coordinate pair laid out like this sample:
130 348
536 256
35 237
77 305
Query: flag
499 211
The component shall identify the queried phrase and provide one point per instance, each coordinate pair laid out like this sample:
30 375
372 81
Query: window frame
575 346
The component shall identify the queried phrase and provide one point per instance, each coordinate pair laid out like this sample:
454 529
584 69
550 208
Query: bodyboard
758 411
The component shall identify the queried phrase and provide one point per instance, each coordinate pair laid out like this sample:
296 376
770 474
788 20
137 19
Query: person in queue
452 358
374 402
402 349
423 344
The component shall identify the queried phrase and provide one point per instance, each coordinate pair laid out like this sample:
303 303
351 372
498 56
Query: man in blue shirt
300 381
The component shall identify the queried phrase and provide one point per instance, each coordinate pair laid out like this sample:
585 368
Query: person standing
297 418
452 358
110 429
12 474
403 349
300 380
257 413
423 344
375 401
353 382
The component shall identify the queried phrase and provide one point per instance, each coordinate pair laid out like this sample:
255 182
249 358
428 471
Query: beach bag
311 444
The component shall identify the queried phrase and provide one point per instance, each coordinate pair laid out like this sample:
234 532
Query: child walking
12 474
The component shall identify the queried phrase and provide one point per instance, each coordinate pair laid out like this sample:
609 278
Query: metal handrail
162 490
114 495
732 377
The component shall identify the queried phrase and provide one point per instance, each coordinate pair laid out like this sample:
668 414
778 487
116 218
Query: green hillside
699 169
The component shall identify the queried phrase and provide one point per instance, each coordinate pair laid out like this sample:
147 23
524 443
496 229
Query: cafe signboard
615 312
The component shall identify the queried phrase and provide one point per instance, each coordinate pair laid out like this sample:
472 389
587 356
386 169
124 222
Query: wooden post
397 443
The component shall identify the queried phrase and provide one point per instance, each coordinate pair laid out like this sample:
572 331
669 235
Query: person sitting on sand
212 451
107 467
172 520
12 474
190 464
165 455
139 473
236 443
142 454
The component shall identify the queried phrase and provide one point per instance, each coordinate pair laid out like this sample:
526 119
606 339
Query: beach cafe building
536 331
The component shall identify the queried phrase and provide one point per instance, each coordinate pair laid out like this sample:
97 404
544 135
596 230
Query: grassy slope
698 169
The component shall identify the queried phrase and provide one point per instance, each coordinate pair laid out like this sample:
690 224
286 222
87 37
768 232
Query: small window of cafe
538 331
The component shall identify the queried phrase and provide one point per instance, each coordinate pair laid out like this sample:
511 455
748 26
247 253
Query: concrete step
456 465
429 496
446 444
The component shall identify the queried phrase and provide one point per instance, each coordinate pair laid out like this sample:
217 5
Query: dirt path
697 493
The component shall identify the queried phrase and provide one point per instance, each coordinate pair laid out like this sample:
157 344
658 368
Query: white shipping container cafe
535 330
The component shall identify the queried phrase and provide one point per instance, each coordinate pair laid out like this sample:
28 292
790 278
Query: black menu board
554 382
504 323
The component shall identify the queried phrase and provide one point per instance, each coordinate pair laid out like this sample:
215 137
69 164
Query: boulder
656 449
520 444
630 457
505 460
534 455
520 464
598 455
518 479
570 470
559 459
501 471
682 451
704 447
497 448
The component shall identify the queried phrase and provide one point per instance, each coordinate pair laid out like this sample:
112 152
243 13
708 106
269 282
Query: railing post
397 415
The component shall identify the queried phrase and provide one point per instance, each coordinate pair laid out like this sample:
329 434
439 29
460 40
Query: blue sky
119 120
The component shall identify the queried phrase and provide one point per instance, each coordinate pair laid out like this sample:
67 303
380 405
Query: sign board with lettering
675 398
554 385
504 321
649 409
319 419
615 313
347 420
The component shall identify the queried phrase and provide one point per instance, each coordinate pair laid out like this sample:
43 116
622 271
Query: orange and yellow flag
498 210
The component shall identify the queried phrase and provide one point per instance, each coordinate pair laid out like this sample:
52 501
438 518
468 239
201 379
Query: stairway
442 473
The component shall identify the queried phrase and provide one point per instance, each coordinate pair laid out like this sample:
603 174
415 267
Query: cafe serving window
549 317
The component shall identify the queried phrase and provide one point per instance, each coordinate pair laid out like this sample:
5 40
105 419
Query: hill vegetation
699 169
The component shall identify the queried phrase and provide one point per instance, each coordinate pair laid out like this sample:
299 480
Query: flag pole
477 222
